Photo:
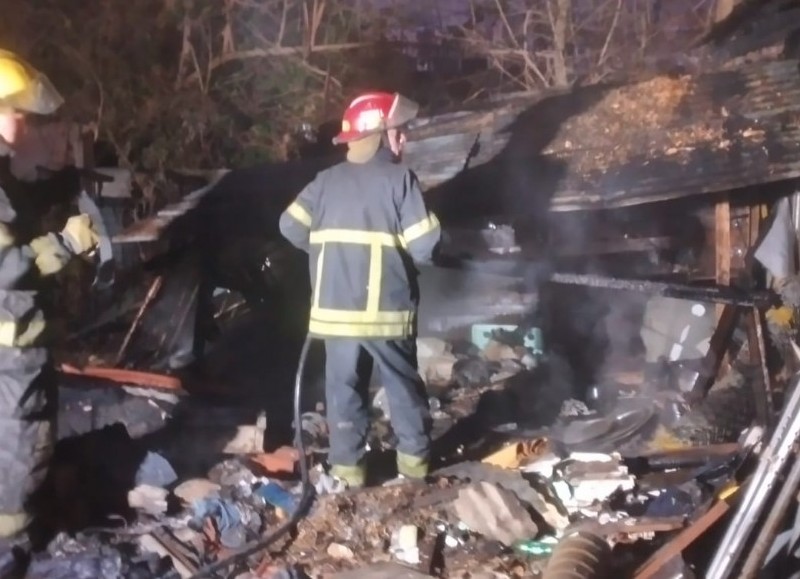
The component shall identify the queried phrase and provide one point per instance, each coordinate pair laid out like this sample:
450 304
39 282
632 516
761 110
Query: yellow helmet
25 89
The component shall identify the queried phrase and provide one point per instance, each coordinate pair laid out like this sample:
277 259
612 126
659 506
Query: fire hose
307 489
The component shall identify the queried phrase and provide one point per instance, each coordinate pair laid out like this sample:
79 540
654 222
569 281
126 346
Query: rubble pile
519 501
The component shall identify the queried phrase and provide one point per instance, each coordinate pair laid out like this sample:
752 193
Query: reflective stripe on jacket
364 226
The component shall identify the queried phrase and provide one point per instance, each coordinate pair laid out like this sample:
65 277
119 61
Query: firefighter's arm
295 222
15 261
420 228
15 264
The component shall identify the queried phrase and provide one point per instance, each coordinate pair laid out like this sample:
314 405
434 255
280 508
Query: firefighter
365 225
26 385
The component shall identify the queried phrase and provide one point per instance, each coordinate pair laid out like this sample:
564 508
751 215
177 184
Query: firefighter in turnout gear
26 384
365 225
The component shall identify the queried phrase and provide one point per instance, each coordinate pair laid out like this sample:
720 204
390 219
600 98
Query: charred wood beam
758 355
718 346
713 294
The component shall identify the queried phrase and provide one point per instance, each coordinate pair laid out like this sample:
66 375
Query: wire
308 490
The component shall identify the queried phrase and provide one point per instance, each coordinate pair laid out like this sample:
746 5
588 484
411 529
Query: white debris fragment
573 407
340 552
149 499
381 402
544 466
404 545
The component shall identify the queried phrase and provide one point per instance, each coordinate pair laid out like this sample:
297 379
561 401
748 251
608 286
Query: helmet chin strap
363 150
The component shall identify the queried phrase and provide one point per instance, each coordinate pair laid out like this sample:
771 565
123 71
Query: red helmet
374 113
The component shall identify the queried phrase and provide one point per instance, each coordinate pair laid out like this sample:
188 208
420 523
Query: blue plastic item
278 497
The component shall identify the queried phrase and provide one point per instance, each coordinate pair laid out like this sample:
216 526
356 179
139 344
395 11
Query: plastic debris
152 500
196 490
277 496
227 519
77 566
155 471
282 460
533 548
515 454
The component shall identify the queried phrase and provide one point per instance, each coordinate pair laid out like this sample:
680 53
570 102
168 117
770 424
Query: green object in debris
535 548
481 334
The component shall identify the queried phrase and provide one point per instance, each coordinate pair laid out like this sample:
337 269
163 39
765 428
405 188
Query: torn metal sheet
777 251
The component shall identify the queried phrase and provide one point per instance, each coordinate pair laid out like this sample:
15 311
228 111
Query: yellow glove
782 316
79 234
51 257
6 238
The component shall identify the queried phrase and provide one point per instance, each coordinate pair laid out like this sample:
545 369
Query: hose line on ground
308 490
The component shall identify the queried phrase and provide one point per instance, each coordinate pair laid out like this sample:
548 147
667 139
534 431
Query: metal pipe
772 461
777 515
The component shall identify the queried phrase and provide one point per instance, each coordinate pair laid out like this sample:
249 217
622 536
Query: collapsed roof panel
730 123
663 138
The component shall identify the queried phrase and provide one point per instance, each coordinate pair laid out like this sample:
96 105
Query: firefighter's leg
408 403
346 382
26 431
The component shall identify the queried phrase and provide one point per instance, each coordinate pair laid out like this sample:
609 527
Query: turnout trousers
348 368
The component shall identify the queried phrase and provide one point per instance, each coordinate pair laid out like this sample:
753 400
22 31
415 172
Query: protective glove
781 317
51 255
80 235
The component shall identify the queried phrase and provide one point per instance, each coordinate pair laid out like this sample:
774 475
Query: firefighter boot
411 467
354 476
